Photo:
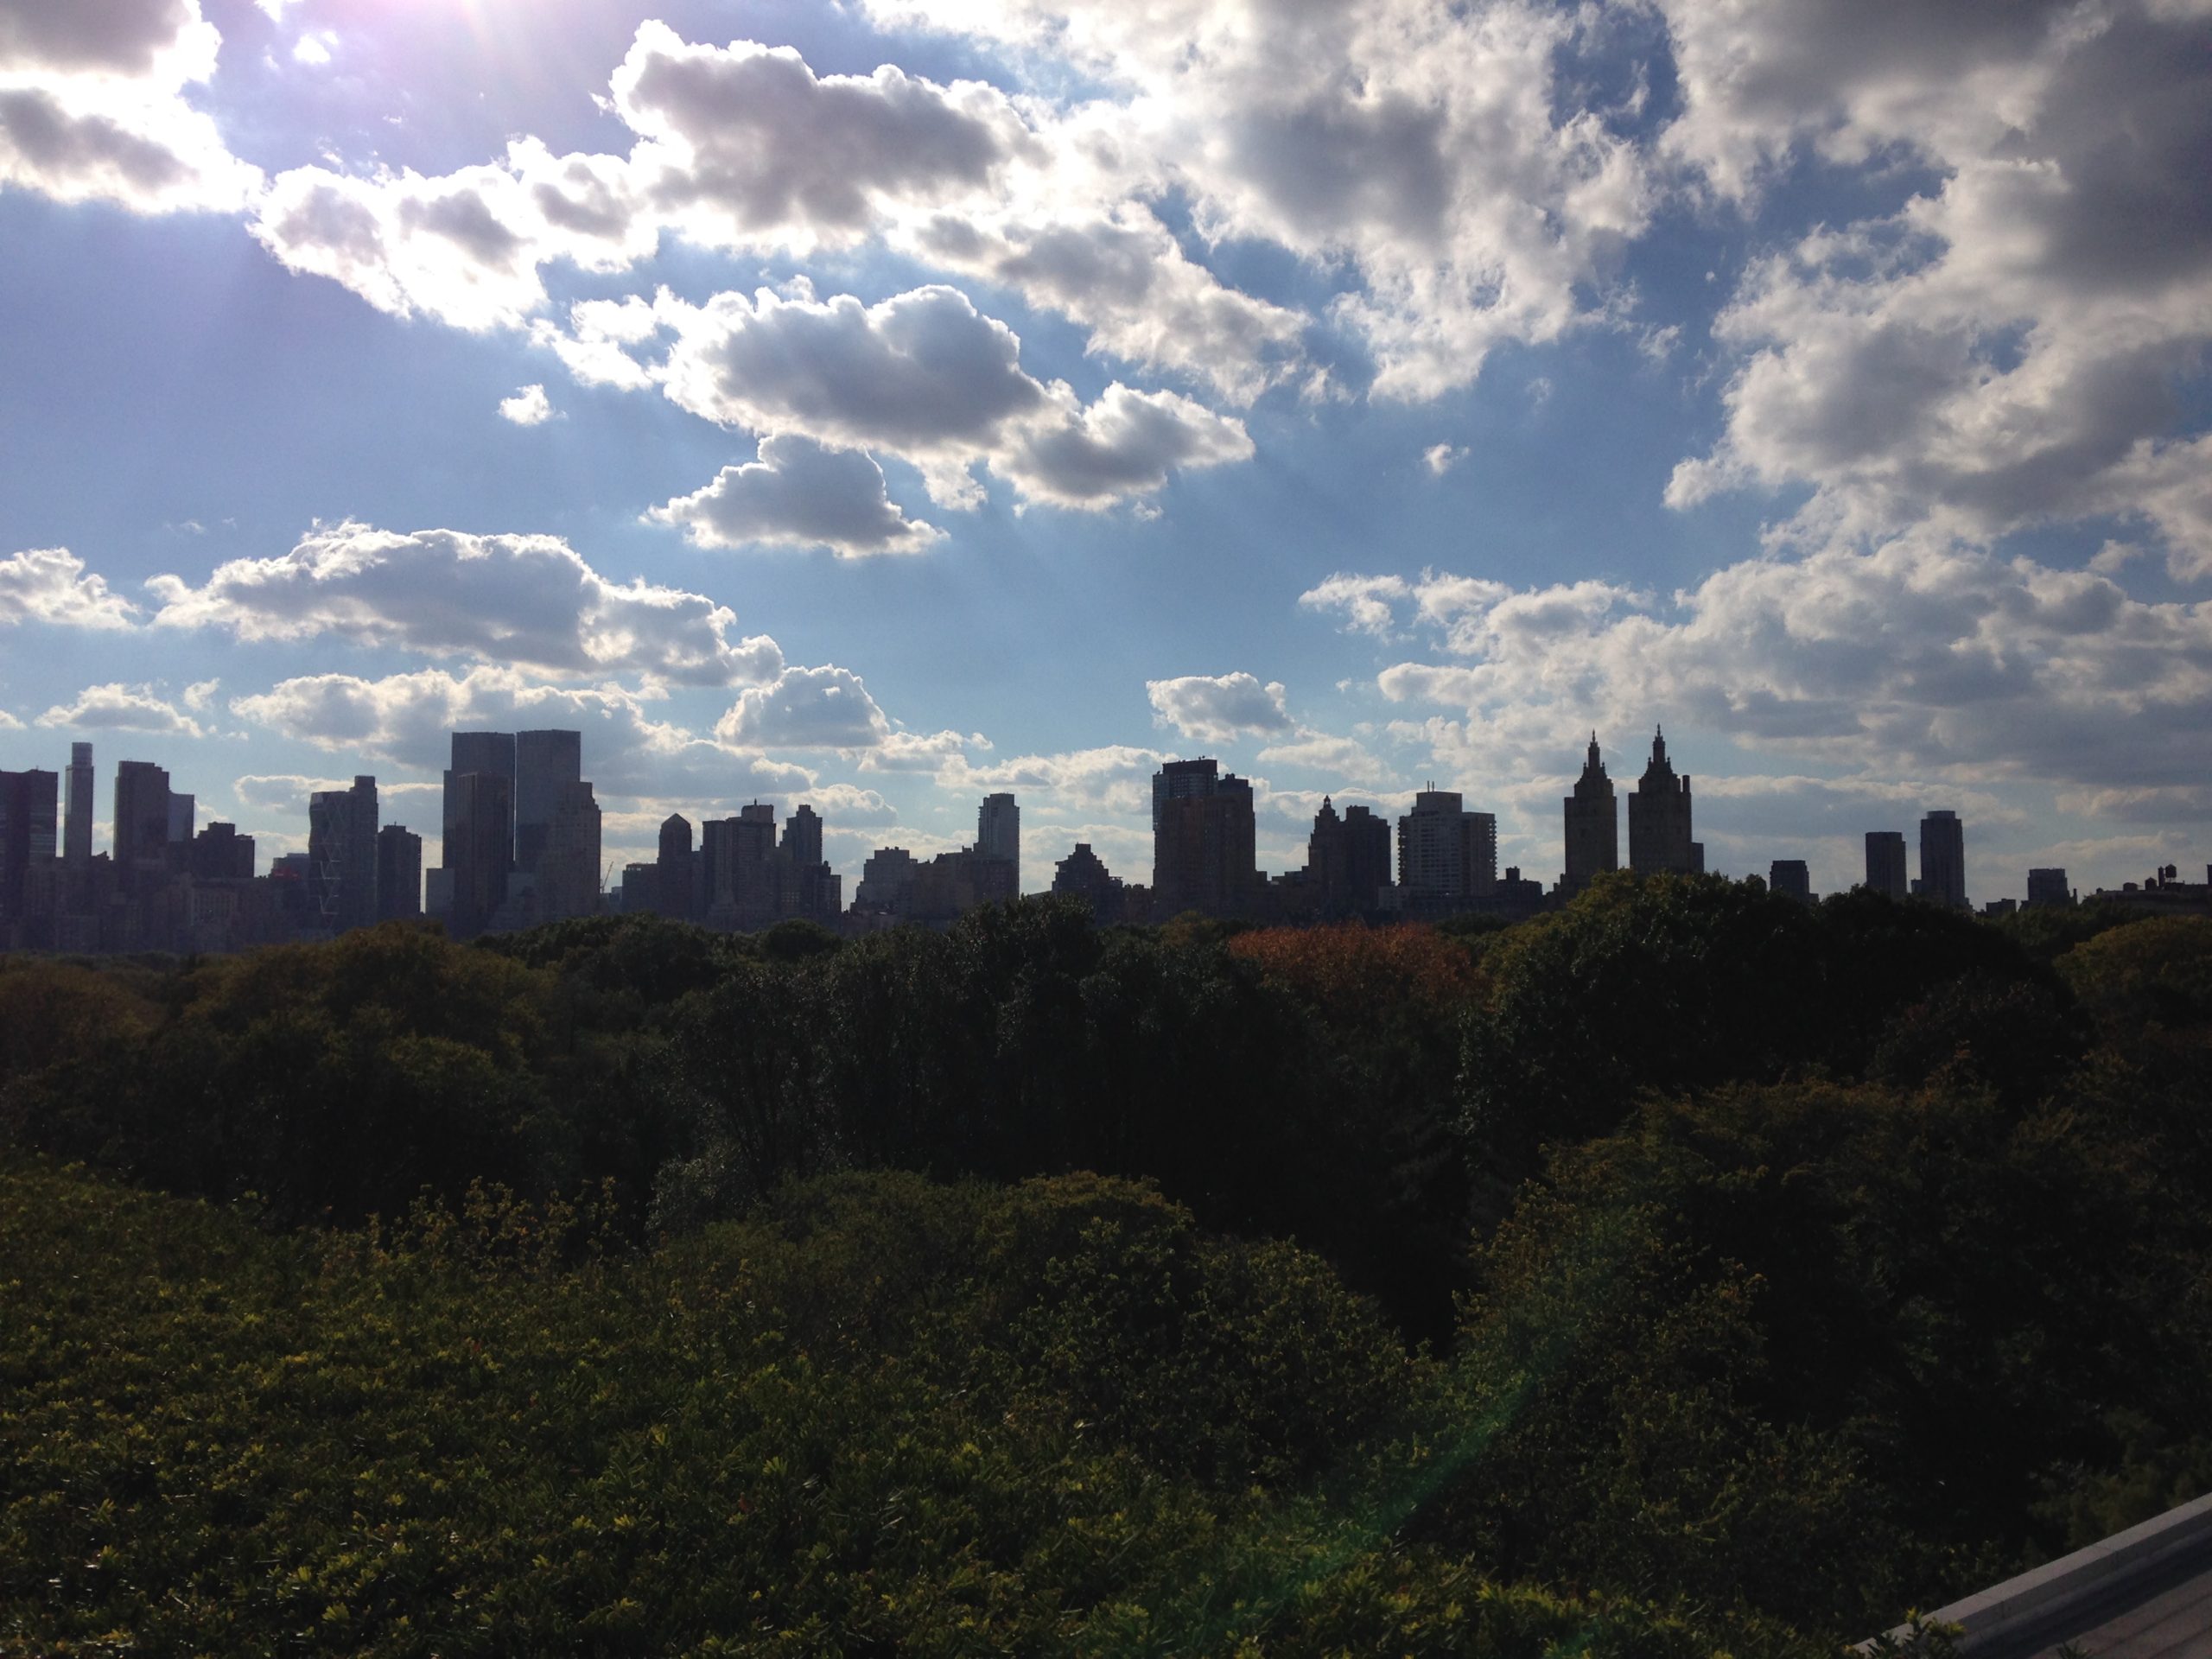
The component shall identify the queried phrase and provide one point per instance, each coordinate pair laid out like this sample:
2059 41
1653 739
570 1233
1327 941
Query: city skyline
501 866
892 408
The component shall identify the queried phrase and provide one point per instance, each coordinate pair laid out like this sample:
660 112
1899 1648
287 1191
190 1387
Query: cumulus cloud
1435 151
1919 656
50 584
116 707
830 707
91 106
925 376
1219 707
506 599
1443 457
799 493
2002 350
530 406
406 720
1116 779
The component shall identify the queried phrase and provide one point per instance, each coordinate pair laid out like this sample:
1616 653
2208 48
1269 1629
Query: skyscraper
1593 826
546 764
1792 878
1432 848
1885 871
1943 860
1203 853
569 855
675 882
1659 817
802 841
399 874
77 829
479 847
494 755
342 855
27 826
2048 886
142 824
998 831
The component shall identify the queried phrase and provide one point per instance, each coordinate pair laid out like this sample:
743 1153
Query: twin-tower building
1659 835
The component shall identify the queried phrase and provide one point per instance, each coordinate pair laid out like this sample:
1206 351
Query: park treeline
1690 1269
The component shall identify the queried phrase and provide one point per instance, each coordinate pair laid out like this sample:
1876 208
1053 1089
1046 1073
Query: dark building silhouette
493 754
1347 861
342 855
1659 818
567 876
220 854
2049 887
479 847
399 874
885 887
1886 868
1203 841
640 889
1593 828
547 765
1083 875
802 841
142 826
1447 856
28 801
676 872
1943 860
76 826
1791 879
998 831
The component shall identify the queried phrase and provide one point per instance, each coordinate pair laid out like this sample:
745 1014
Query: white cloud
830 707
925 376
1435 151
1443 457
1366 602
530 406
2002 350
200 693
502 599
406 720
799 493
49 584
116 707
1921 656
1116 779
91 106
1219 707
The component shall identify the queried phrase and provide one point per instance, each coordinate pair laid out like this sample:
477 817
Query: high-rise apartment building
77 827
568 856
1659 817
1081 874
802 841
399 874
184 812
676 881
1347 861
27 801
479 847
1885 868
2048 886
1593 826
1943 860
342 855
220 854
1203 841
1792 878
998 831
141 825
546 765
491 753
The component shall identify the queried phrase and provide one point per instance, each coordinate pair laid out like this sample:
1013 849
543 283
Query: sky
882 403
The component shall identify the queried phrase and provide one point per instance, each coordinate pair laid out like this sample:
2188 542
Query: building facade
1943 860
1203 841
1886 865
1593 826
1659 835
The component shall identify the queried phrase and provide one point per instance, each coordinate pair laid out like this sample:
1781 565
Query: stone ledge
2087 1575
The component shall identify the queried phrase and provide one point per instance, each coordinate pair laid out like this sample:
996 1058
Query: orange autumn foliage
1358 973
